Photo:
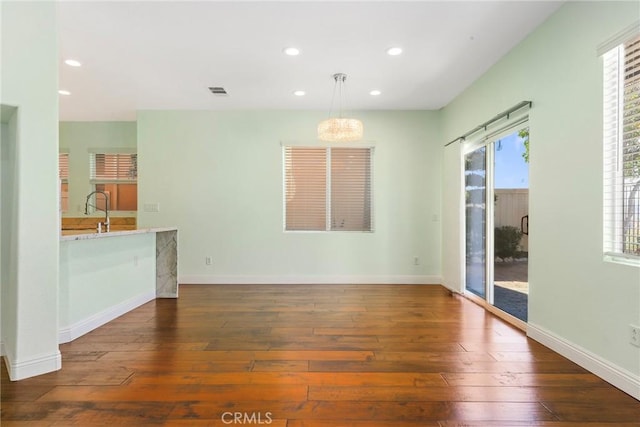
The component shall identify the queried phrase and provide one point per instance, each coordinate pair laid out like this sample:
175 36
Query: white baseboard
615 375
319 280
71 332
19 370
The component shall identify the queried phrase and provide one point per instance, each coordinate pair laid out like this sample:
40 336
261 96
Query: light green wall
575 296
30 82
217 176
77 138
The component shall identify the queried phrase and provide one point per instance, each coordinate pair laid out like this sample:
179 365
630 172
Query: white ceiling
164 55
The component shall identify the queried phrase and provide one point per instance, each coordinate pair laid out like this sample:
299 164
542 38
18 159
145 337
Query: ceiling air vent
218 91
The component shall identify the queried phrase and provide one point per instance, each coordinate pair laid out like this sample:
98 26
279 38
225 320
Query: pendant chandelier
340 129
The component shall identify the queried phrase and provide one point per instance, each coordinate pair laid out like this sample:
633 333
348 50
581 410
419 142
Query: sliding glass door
496 194
511 224
475 190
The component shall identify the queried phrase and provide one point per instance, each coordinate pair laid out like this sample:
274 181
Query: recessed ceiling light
375 92
73 63
291 51
299 93
394 51
64 92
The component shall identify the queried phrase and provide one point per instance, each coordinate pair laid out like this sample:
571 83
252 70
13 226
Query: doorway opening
496 179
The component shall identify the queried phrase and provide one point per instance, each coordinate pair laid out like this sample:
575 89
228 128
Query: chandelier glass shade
340 129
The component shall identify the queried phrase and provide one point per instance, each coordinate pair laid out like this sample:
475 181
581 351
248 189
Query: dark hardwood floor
311 356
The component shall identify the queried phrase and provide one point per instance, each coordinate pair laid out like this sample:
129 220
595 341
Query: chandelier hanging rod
339 129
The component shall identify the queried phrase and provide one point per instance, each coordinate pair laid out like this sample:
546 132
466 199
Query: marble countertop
71 235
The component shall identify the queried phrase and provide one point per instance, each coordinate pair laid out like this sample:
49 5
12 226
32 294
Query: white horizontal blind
327 183
63 176
63 166
631 149
305 188
622 149
351 189
611 130
113 167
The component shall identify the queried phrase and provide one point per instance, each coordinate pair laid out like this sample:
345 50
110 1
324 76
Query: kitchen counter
104 275
66 235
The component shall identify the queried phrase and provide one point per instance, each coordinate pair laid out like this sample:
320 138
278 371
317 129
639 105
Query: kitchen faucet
106 209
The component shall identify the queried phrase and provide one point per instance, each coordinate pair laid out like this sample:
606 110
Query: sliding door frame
489 217
487 139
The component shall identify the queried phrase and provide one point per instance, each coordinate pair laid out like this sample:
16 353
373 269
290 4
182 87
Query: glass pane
631 151
64 196
113 166
306 188
351 189
475 173
511 222
122 197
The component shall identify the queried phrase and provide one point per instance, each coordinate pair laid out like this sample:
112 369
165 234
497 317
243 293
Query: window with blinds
63 175
327 188
622 149
63 166
113 167
116 174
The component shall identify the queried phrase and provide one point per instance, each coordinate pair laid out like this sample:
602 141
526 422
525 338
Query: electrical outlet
634 338
416 260
208 260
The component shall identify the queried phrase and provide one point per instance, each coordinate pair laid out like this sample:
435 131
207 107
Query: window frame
94 180
328 228
614 182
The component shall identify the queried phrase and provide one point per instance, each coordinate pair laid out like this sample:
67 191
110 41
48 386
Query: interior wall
77 139
577 302
217 176
30 82
3 263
